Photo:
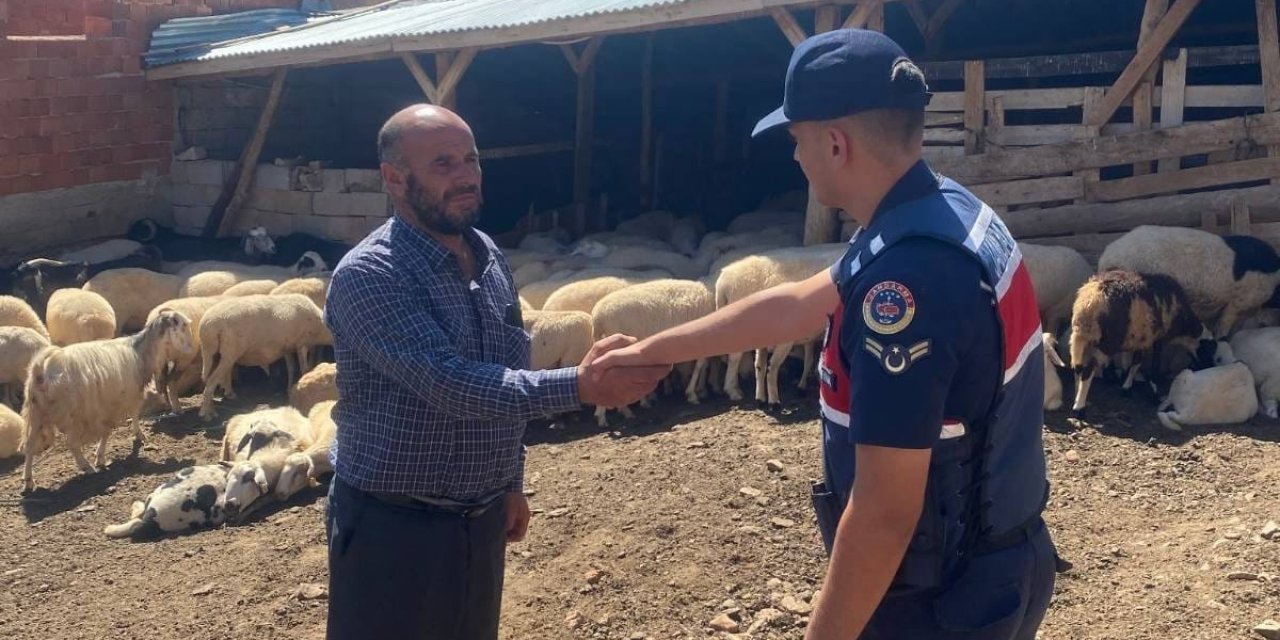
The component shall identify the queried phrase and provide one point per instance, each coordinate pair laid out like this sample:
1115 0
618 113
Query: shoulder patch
895 358
888 308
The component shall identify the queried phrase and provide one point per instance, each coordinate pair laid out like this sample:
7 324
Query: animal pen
1167 115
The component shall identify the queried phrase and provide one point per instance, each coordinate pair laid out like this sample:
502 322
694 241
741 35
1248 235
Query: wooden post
720 135
863 13
584 66
1173 97
646 123
1146 56
790 28
876 23
234 191
824 19
1239 218
444 60
974 105
1092 97
1143 95
1269 50
448 84
997 112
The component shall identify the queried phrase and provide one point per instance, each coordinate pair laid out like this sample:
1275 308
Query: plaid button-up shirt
432 381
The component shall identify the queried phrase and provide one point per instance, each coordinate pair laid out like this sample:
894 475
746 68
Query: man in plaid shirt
434 393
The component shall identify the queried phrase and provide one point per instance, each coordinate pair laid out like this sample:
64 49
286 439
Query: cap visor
770 122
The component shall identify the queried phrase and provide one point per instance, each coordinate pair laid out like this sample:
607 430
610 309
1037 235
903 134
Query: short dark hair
389 143
903 128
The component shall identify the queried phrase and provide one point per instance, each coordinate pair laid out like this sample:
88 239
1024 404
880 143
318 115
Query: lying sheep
582 295
558 338
685 234
314 286
85 390
1056 274
18 347
15 312
753 220
677 264
303 468
133 293
318 385
247 432
530 273
250 288
183 375
256 475
1225 278
1121 311
1052 383
11 428
647 308
612 239
1217 395
536 294
1259 349
555 241
651 224
190 500
76 315
213 277
257 331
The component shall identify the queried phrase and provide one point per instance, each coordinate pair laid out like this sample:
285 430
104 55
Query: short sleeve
907 326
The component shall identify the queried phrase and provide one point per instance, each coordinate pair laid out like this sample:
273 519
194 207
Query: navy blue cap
842 72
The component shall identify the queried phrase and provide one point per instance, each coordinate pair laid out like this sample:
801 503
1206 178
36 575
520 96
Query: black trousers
403 573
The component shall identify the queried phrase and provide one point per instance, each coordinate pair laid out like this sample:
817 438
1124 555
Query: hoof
1080 414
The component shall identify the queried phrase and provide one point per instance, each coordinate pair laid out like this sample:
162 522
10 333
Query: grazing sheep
190 500
537 293
1121 311
314 286
11 428
582 295
257 331
15 312
36 280
85 390
558 338
1225 278
318 385
647 308
183 374
76 315
1217 395
1052 383
250 288
211 277
1260 350
133 293
18 347
1056 274
305 467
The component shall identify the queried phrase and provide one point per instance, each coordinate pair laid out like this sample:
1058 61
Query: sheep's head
173 331
591 248
246 483
257 243
310 262
263 433
1223 354
295 476
144 230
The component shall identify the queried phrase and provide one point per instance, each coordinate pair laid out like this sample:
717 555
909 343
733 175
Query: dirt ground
653 530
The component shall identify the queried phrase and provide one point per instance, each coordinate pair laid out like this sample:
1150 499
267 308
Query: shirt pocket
516 346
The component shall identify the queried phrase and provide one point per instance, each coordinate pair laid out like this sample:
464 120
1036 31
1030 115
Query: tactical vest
987 481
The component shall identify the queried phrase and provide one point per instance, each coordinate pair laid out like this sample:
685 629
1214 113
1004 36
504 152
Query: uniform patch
888 308
895 358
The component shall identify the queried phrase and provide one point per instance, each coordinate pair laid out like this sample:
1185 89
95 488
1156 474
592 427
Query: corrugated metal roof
410 18
182 39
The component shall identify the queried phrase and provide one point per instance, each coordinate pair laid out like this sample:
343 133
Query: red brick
17 49
100 174
29 164
40 144
63 143
80 176
125 171
62 68
81 139
48 181
100 8
59 48
113 65
9 165
46 88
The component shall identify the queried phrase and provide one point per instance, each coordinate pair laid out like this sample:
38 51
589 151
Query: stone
306 179
192 153
773 583
1072 456
750 492
639 635
737 502
87 508
205 172
194 195
697 445
270 176
762 501
766 618
203 590
792 604
724 623
556 513
775 466
593 576
1233 535
350 204
782 523
1243 575
335 181
280 201
1271 530
311 591
1269 629
363 180
574 620
191 217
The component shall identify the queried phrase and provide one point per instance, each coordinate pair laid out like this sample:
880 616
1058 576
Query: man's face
440 180
819 158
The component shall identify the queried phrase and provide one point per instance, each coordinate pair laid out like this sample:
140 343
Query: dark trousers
403 573
1001 596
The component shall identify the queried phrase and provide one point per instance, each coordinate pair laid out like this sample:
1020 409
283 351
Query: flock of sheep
82 354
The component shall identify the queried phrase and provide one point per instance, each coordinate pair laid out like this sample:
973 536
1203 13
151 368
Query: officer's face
821 151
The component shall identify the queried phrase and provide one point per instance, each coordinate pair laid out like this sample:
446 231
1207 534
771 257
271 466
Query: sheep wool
133 293
557 338
1259 349
15 312
76 315
11 428
1217 395
1056 274
316 386
18 347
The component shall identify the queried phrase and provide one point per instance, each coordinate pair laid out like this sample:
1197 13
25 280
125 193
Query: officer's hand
625 356
616 386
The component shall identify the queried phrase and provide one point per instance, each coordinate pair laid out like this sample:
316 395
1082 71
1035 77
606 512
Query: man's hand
517 516
618 386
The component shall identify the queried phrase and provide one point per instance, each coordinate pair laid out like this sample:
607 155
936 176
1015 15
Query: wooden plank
1030 135
1209 221
945 136
646 121
1030 191
449 82
1202 96
234 193
419 74
790 28
444 60
1143 95
943 119
1173 95
876 21
940 17
862 14
996 109
824 18
498 153
1142 61
1240 218
1269 50
1092 96
586 105
1184 179
1084 64
1188 139
917 15
974 106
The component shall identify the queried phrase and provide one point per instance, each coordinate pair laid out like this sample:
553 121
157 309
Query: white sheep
530 273
1217 395
76 315
756 273
685 234
537 293
653 224
255 475
316 386
612 239
245 433
303 468
18 347
582 295
647 308
677 264
15 312
104 251
517 258
194 498
250 288
1056 274
1259 349
11 428
314 286
84 390
214 277
1225 278
1052 383
555 241
558 338
257 331
183 374
133 293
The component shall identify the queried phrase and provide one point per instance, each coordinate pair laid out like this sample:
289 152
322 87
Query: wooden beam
1030 191
449 81
1240 221
974 106
444 60
1143 95
1269 50
1173 95
580 61
498 153
876 21
1197 178
586 105
646 121
790 28
419 74
940 17
235 191
1147 54
1083 64
917 15
825 18
862 14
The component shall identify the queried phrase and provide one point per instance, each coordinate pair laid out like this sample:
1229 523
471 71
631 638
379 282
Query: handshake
615 374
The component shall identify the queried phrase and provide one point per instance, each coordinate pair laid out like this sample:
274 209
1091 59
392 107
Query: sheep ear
260 477
226 464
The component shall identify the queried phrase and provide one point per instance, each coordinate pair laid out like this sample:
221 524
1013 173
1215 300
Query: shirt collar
918 182
435 253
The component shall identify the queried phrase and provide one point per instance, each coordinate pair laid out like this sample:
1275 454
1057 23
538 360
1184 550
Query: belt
466 510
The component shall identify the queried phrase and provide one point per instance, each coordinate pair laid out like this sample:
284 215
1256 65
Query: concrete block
306 179
292 202
270 176
350 204
195 195
364 180
190 216
275 223
335 181
178 172
210 172
314 225
347 228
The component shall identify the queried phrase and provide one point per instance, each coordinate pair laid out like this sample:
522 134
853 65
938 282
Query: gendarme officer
932 389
